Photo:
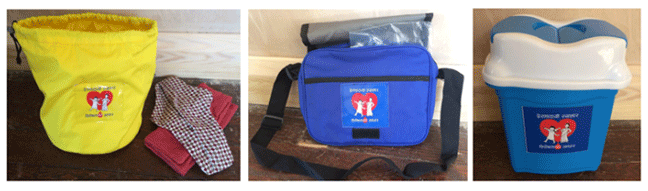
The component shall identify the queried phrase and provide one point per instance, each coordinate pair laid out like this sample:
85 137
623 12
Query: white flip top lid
530 52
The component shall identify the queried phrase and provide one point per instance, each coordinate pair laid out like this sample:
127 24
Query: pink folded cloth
221 107
167 147
227 114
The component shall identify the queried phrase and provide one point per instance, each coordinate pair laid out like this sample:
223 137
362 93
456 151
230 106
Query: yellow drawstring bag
95 71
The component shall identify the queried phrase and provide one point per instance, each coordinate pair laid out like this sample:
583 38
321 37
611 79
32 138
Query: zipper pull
12 33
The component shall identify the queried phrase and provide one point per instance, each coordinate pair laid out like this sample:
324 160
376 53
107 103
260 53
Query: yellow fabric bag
95 71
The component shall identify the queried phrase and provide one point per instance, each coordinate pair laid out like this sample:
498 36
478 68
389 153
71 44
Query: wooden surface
205 56
191 43
31 155
627 103
621 157
262 73
293 139
627 20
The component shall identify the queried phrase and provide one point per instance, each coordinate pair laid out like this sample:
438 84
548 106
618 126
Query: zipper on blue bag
363 48
366 79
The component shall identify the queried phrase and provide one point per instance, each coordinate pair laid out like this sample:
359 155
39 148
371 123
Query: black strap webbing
12 33
271 123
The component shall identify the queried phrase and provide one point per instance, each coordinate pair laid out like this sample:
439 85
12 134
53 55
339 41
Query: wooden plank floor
293 139
621 157
31 155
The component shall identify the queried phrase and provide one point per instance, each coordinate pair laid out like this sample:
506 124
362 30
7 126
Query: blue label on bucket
365 105
557 130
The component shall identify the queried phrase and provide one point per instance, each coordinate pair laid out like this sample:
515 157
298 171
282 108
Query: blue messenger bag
369 95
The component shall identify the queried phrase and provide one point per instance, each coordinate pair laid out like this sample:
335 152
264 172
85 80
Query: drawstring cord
12 33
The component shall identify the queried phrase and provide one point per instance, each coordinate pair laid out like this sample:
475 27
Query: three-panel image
324 94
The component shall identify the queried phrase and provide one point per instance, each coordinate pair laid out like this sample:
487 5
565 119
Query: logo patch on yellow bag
98 101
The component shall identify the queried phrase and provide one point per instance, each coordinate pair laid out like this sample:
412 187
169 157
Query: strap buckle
292 71
272 122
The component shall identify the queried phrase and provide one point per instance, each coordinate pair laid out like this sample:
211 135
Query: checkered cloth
184 110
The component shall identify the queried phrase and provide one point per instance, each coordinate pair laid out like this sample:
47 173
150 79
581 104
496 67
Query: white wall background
191 43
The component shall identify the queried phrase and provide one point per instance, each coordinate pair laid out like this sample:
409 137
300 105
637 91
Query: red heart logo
97 97
548 126
358 98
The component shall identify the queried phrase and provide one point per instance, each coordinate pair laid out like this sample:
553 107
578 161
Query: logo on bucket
557 130
98 100
365 105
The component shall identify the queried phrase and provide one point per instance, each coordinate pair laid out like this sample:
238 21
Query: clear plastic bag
401 33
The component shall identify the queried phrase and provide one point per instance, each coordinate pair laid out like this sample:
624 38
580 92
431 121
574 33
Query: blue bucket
556 98
530 114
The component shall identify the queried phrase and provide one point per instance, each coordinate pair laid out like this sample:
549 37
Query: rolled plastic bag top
95 71
317 35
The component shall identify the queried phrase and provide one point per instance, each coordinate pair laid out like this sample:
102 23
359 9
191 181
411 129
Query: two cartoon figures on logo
563 134
104 104
361 105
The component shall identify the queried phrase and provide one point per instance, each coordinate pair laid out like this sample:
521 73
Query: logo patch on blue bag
557 130
365 105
